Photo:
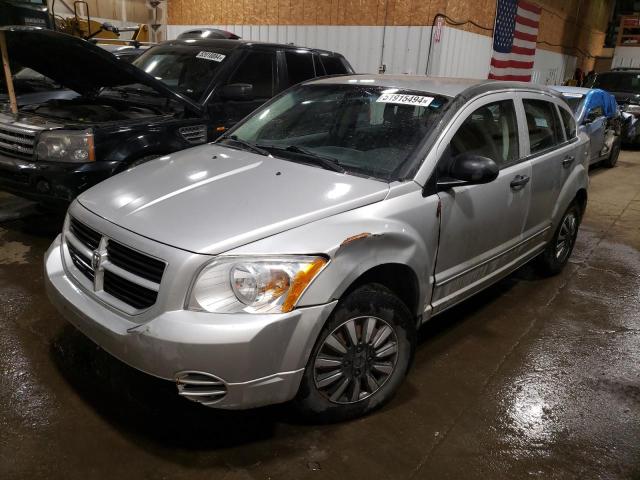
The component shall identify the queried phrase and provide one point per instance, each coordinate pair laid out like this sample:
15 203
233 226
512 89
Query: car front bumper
260 358
52 183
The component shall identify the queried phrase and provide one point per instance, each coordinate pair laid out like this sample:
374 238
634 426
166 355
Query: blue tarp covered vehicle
598 115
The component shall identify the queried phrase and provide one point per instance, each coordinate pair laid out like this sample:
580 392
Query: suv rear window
333 65
299 66
543 124
618 82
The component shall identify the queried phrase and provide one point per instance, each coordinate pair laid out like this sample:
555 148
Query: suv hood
211 199
626 97
77 64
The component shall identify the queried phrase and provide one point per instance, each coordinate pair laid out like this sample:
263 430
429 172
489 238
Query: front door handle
568 160
519 181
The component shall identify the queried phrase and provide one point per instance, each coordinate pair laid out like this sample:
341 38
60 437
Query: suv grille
194 134
121 272
17 141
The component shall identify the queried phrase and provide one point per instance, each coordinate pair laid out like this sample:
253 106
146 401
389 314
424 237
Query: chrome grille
194 134
114 270
17 141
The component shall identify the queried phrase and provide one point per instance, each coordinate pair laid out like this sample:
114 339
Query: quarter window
543 125
299 66
257 69
333 65
490 131
569 123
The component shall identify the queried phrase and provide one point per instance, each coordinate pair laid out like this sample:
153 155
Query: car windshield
186 69
364 130
618 82
574 100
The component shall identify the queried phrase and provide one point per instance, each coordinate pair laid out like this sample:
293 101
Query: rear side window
569 123
333 65
490 131
299 66
543 125
257 69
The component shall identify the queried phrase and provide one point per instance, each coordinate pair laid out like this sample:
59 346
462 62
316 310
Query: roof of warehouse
449 87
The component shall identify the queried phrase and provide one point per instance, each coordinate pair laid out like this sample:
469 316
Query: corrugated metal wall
626 57
457 54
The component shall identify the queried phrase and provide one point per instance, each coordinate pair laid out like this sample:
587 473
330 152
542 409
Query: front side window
491 131
257 69
569 123
186 69
362 129
543 125
299 66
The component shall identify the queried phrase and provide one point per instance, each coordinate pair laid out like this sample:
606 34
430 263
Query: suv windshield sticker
213 56
416 100
572 95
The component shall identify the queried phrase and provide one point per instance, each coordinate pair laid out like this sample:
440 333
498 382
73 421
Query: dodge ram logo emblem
95 260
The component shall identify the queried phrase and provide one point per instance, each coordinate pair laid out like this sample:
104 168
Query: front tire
360 358
612 159
557 252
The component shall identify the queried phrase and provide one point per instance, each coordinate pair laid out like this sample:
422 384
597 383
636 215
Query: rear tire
557 252
360 358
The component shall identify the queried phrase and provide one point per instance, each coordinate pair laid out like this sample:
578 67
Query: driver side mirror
591 117
237 91
469 169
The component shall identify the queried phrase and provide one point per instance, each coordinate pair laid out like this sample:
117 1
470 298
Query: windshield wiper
246 145
325 162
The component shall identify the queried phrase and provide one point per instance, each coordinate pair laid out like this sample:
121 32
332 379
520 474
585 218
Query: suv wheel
360 358
556 255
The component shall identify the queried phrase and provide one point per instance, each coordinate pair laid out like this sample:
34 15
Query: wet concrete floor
534 378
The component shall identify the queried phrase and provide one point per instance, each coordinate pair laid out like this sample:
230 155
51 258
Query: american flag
514 40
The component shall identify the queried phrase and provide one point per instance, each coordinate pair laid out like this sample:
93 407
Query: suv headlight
253 284
74 146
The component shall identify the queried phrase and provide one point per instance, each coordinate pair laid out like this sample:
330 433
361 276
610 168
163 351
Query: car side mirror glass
591 117
470 169
237 91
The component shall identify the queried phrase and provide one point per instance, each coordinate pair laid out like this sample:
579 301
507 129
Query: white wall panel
626 57
458 54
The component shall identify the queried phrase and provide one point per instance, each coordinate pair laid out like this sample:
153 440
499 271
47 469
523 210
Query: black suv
176 95
624 84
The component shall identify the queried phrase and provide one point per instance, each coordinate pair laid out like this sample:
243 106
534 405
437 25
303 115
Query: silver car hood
210 199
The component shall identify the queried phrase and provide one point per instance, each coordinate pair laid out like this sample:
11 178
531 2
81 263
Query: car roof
230 44
568 89
449 87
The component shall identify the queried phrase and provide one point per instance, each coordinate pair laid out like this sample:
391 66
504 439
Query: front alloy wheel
360 358
355 360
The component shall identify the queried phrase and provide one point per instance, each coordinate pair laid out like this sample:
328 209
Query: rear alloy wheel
556 255
360 358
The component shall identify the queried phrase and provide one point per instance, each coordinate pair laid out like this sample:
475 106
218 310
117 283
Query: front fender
402 229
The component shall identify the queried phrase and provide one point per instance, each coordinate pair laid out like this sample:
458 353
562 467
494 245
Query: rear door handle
568 160
519 181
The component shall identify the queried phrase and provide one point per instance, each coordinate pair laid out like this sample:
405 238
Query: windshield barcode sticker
215 57
416 100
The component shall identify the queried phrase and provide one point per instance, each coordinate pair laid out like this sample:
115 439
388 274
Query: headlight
253 285
66 146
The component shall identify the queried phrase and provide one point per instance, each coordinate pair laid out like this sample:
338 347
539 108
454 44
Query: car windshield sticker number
400 99
215 57
572 95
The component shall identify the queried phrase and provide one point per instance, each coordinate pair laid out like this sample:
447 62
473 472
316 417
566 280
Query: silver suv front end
127 293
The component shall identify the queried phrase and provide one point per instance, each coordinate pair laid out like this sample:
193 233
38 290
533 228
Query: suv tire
557 252
360 358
